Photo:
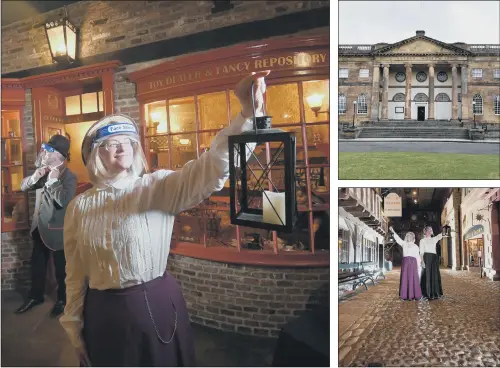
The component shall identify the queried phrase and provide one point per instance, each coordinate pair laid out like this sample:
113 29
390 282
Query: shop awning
474 232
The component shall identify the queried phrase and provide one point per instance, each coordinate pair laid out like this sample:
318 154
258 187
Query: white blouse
428 245
116 236
409 249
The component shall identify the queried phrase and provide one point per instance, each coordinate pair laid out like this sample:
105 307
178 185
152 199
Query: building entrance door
420 113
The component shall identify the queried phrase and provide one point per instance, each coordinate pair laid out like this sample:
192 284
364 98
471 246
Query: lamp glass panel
234 104
71 43
56 40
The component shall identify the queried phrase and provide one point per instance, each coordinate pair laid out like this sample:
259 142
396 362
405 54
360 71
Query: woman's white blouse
409 249
118 235
428 245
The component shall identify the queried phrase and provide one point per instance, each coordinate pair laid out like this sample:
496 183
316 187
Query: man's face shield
48 157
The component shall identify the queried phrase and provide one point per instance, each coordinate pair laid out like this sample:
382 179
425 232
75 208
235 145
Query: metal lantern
446 230
61 34
262 177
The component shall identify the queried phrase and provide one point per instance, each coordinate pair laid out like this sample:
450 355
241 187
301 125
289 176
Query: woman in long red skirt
409 282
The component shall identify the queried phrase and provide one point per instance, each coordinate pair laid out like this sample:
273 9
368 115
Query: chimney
420 33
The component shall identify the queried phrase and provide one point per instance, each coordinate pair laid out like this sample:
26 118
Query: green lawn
415 165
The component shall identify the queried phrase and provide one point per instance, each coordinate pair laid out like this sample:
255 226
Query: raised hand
243 92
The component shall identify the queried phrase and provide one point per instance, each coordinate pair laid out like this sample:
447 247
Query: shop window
194 122
343 246
14 202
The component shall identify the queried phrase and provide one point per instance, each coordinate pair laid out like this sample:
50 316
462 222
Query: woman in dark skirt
409 285
431 277
123 308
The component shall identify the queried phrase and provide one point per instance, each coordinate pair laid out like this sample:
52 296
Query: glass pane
77 131
89 102
14 209
256 239
234 104
11 179
158 152
156 115
12 153
206 140
73 105
11 125
189 227
317 134
316 98
183 149
212 110
182 115
282 103
101 101
220 232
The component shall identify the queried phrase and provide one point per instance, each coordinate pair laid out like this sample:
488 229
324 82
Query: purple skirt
143 325
409 283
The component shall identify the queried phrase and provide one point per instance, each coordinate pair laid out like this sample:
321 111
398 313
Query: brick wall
247 299
107 26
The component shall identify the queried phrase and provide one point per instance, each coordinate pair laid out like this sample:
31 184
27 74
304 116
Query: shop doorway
475 253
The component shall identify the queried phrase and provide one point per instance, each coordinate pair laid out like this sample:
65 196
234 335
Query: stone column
375 93
465 97
454 100
431 91
408 92
385 93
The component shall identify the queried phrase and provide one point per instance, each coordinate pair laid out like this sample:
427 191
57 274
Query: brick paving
463 329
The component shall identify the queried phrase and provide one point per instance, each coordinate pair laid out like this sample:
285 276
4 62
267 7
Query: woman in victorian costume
409 282
431 277
123 307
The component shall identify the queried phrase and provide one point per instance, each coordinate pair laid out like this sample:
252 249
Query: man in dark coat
55 187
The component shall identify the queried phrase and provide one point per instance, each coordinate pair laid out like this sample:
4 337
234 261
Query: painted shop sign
393 205
277 62
474 231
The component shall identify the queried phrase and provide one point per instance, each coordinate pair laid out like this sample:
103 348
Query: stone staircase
430 129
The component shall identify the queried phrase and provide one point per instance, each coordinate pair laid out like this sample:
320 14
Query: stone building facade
231 296
419 78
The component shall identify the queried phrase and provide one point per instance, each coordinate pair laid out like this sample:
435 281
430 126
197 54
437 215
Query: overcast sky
369 22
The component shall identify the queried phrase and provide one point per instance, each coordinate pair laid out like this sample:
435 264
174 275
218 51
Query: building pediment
421 45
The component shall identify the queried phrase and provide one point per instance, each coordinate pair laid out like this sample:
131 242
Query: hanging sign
393 205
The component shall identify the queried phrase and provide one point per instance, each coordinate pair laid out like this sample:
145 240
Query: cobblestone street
463 329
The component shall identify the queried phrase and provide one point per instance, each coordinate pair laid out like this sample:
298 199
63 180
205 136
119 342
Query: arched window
399 97
496 104
442 97
421 97
477 104
362 105
342 103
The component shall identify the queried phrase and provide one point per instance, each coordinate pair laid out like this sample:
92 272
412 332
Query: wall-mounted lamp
315 102
61 34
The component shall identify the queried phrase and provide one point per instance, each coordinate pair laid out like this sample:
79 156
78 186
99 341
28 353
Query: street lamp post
474 112
354 115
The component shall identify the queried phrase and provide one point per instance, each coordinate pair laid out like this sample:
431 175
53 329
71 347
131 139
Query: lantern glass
56 40
61 35
262 180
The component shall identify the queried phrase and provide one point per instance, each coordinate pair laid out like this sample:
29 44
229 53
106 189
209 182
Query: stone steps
414 123
415 132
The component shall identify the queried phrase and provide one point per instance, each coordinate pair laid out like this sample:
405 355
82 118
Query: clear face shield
48 157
